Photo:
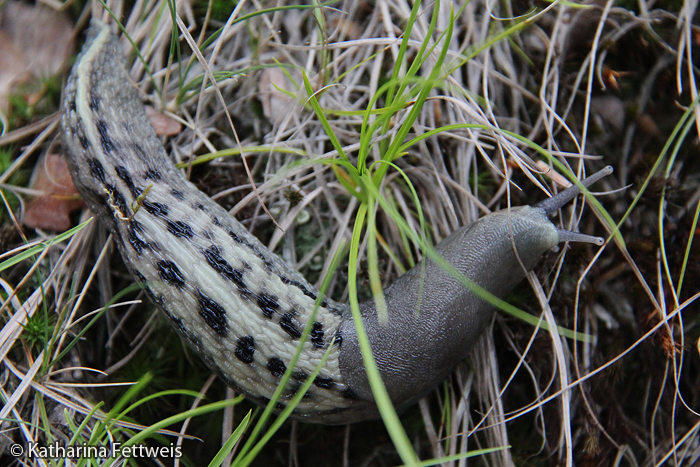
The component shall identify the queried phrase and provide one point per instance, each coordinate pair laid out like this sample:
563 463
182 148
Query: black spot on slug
135 239
177 194
152 174
338 339
94 98
268 304
174 319
97 170
245 348
170 273
220 265
301 287
234 236
136 226
349 394
294 390
84 142
300 375
324 383
213 313
107 144
140 277
180 229
317 335
159 300
276 367
126 177
157 209
289 326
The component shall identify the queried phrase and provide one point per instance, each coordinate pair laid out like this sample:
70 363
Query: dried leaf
13 68
51 210
161 123
36 41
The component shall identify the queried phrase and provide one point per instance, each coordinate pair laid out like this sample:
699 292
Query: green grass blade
375 280
464 455
392 152
231 442
29 252
381 396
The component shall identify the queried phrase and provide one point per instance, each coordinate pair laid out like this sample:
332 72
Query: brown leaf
51 210
13 68
161 123
43 34
36 41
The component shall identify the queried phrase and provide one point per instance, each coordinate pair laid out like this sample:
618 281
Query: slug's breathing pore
240 306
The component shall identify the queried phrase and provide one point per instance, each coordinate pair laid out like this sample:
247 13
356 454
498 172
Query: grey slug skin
240 306
428 333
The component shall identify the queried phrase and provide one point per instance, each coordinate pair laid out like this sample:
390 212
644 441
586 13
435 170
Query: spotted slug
240 306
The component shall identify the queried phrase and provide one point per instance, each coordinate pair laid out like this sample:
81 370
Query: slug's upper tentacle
553 204
240 306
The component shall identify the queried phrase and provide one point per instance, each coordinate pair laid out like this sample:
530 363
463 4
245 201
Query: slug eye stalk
553 204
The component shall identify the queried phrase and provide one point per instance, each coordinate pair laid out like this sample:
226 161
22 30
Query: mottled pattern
237 304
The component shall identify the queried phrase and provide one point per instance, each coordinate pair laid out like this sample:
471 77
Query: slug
240 306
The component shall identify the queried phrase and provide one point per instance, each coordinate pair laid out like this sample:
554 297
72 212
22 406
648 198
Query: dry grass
591 86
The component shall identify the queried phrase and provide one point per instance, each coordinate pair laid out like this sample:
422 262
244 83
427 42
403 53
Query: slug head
527 230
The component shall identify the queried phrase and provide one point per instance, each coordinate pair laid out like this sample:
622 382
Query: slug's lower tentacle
240 306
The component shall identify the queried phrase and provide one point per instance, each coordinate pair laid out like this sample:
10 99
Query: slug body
240 306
